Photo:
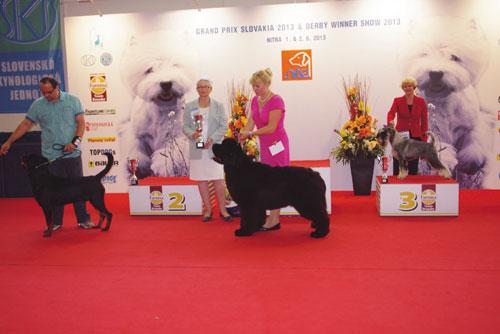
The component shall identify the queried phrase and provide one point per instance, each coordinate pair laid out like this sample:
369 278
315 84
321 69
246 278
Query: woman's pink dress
261 118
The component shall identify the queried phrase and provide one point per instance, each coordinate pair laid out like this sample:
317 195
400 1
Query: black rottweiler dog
257 187
51 191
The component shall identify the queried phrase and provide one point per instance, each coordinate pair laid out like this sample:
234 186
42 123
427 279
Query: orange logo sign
296 65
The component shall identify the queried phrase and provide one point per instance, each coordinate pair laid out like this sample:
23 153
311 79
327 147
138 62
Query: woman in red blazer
412 119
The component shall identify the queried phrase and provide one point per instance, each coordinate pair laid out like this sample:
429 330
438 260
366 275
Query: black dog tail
108 165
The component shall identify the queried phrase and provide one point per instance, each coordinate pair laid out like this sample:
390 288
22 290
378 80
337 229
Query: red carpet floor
179 275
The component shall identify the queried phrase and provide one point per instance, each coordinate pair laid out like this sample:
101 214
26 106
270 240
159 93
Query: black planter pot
362 175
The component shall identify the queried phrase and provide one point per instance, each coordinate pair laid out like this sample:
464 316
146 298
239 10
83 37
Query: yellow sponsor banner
101 139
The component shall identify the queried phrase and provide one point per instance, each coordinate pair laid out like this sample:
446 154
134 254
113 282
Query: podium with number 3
417 196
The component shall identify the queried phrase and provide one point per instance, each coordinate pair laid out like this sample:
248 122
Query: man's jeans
69 167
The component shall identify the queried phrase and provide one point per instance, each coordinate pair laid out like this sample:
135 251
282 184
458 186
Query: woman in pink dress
268 115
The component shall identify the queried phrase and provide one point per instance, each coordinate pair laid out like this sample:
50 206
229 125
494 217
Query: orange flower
364 132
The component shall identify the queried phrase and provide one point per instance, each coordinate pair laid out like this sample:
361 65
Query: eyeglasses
199 87
48 93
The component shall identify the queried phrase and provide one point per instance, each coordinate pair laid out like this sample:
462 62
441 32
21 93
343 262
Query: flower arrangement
358 134
239 96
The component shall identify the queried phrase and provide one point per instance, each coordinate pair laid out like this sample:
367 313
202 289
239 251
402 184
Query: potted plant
358 145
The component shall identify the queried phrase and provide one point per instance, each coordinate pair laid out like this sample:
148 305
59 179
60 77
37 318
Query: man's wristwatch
76 141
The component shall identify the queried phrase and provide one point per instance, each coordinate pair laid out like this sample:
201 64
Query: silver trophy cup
198 125
133 163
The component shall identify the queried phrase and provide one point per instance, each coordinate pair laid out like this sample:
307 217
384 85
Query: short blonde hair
204 79
263 75
409 81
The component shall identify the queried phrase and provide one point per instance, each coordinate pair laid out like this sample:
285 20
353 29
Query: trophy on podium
198 125
385 168
133 163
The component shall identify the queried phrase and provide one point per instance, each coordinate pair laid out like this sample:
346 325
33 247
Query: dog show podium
417 195
165 196
180 195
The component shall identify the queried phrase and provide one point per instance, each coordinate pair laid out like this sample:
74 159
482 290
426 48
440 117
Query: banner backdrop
134 72
30 48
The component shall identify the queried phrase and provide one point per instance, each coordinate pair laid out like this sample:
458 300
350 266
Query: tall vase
362 175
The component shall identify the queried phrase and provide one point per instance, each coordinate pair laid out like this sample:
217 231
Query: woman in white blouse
202 168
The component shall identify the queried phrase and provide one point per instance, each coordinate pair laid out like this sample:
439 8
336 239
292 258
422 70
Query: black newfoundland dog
51 191
258 187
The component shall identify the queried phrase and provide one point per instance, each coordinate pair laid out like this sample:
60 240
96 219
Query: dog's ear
231 152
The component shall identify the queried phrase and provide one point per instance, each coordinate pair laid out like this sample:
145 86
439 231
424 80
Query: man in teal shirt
60 116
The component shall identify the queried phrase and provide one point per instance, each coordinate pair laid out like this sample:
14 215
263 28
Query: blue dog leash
57 147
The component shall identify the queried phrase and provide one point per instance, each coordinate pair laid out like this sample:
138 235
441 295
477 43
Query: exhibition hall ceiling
93 7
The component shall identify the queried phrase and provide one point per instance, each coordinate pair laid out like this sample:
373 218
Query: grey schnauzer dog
404 149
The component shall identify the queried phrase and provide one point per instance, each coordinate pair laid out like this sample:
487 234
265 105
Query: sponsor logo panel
156 198
88 60
101 139
96 39
109 179
428 197
100 111
101 151
106 58
94 126
101 163
98 88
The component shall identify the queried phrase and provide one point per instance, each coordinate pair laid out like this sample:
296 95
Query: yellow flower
229 133
372 144
361 106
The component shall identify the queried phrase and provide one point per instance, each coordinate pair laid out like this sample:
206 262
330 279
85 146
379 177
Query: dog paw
319 233
242 233
445 173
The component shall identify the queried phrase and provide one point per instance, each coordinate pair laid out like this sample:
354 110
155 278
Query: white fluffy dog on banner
447 56
159 69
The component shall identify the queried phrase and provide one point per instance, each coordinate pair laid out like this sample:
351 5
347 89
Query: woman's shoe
227 218
272 228
206 218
